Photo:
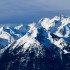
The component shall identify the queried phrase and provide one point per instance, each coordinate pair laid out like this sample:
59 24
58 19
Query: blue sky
26 11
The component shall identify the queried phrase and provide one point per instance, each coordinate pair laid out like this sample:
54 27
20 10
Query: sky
27 11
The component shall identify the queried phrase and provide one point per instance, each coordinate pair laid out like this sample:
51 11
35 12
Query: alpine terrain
38 46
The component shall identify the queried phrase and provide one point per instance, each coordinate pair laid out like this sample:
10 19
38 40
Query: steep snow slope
5 37
58 27
55 31
34 35
8 35
22 28
34 51
44 46
18 27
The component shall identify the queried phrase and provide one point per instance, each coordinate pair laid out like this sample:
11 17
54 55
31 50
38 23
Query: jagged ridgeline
38 46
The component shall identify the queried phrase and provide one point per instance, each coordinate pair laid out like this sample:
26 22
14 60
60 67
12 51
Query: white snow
18 27
33 30
53 26
66 52
29 38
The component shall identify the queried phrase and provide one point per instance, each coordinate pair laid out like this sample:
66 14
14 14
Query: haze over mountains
37 46
32 16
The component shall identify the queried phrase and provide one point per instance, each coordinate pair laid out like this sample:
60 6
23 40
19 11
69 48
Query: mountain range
37 46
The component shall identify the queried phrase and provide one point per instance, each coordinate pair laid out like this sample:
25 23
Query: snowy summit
36 46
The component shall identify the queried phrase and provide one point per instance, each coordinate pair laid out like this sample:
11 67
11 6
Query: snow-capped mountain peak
33 30
18 27
37 46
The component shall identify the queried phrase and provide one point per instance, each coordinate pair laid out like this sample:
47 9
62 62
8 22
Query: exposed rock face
45 46
34 58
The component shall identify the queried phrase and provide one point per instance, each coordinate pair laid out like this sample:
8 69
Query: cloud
10 9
